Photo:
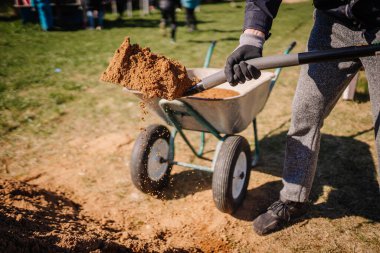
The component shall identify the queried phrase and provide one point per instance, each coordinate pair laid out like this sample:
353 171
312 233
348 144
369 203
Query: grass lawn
61 128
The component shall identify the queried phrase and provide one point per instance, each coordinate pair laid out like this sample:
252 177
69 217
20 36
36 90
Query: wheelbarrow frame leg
177 128
256 153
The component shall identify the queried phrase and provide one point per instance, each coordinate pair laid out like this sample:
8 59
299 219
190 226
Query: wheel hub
158 159
239 176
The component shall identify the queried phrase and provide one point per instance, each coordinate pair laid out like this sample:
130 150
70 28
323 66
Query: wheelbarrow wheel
231 173
149 165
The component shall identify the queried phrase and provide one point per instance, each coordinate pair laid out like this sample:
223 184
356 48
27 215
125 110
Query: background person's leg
120 6
193 21
49 15
100 19
164 21
319 88
190 19
173 25
90 19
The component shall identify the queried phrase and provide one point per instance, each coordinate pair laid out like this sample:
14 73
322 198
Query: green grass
32 93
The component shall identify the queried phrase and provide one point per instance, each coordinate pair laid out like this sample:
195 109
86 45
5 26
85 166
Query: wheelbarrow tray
228 115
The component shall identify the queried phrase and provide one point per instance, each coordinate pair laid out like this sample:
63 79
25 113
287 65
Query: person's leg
49 15
193 20
188 14
120 6
319 88
190 19
164 21
173 25
100 19
372 70
90 19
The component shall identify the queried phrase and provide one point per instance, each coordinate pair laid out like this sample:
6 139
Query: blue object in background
44 13
190 4
91 19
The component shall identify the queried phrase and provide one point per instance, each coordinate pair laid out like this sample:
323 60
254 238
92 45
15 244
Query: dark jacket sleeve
259 14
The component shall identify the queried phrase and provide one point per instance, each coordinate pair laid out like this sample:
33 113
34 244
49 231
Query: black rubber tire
224 170
139 160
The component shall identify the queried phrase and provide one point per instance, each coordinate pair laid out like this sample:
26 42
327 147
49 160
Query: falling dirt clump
217 93
153 75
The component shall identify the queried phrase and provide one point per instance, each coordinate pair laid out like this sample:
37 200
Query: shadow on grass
345 175
8 18
209 41
140 22
345 179
220 30
361 97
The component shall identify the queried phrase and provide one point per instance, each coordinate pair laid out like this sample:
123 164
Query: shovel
279 61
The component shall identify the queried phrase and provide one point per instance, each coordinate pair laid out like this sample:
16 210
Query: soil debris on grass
153 75
217 93
38 220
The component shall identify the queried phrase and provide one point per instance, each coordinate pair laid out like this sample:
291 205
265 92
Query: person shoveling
338 23
333 57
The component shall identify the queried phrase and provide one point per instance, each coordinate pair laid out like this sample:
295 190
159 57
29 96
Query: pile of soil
36 220
154 75
217 93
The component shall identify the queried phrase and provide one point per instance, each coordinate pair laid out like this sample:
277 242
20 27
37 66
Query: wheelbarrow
153 154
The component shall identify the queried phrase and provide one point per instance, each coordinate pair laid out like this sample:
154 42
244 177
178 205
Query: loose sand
154 75
217 93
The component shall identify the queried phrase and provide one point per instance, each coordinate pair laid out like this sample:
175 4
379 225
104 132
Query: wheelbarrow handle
269 62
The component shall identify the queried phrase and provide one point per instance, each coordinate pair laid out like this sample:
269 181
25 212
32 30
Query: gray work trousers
319 87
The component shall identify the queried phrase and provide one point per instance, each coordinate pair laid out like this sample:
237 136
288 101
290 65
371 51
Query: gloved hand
236 69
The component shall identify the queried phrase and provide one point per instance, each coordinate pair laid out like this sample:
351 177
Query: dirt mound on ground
36 220
154 75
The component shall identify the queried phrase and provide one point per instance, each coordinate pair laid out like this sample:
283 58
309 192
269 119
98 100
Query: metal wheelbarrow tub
228 115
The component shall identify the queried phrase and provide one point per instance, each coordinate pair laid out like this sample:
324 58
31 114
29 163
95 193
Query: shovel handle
269 62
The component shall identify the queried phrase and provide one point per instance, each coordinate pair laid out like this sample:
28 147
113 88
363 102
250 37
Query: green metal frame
171 115
189 111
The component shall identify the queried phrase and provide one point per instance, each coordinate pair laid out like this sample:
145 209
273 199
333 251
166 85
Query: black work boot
278 215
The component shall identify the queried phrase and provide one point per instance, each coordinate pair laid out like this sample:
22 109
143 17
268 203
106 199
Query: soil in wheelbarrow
153 75
217 93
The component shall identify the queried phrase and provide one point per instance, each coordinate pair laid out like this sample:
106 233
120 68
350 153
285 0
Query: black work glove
236 69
